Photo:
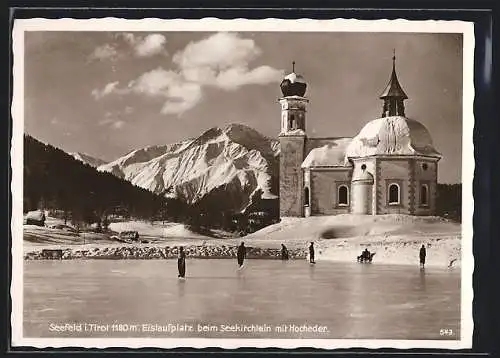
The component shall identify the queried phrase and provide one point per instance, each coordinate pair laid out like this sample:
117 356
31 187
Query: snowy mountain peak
229 164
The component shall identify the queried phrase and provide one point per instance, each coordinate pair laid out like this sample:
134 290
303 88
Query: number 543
446 332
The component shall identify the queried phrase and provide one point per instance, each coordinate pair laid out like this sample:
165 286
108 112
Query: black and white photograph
242 183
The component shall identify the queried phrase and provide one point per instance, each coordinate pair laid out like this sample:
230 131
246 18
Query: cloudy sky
106 93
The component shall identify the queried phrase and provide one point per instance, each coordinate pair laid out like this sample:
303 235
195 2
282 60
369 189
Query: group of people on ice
285 256
240 256
366 256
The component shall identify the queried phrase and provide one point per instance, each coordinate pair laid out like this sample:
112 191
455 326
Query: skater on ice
241 254
366 256
181 263
311 253
284 252
423 253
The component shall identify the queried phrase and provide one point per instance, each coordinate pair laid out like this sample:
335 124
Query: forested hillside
54 179
449 201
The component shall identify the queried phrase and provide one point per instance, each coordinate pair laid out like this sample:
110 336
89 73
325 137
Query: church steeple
393 95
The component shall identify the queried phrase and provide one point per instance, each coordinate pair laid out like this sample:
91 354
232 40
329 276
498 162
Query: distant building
389 167
36 217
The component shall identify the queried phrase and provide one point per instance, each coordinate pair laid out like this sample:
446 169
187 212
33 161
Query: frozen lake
129 298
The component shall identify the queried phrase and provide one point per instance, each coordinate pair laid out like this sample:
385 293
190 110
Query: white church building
390 166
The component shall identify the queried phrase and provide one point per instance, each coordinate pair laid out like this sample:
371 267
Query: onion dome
293 84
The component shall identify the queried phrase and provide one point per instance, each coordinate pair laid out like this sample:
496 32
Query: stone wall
324 184
426 176
388 171
166 252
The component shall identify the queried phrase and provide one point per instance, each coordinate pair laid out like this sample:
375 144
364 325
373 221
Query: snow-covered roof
394 135
329 155
35 215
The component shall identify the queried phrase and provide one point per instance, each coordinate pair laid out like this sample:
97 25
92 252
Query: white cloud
151 45
142 46
109 88
104 52
154 82
181 95
220 51
221 60
145 46
201 75
236 77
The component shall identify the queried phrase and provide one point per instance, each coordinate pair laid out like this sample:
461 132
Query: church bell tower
393 95
292 143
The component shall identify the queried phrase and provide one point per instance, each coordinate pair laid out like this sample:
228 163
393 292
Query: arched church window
394 194
306 196
343 195
424 194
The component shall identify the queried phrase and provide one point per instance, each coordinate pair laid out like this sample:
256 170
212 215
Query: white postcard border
241 25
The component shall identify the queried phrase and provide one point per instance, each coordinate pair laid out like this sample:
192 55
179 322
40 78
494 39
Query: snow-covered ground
156 229
396 239
157 233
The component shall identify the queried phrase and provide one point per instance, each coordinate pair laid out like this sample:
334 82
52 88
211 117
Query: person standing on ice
242 252
423 253
284 252
181 263
311 253
366 255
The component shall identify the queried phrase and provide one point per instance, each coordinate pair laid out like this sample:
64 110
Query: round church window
363 167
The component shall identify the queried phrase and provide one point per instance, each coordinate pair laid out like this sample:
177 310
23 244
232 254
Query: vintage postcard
242 183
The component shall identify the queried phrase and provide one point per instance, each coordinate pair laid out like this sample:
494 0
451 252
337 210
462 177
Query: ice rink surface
144 298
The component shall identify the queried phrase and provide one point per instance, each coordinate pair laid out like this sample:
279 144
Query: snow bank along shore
395 239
